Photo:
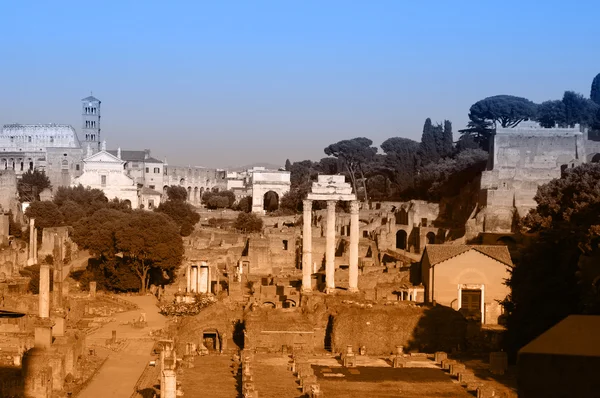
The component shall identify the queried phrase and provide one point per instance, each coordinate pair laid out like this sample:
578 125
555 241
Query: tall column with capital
330 248
307 245
353 271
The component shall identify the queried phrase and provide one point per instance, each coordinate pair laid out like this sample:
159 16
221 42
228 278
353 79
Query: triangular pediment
105 157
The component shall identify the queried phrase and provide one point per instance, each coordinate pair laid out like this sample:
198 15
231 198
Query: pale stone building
107 173
468 278
142 168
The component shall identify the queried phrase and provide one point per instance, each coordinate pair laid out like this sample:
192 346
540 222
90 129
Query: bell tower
90 115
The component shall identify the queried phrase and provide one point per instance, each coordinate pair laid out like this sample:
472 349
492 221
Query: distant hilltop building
521 159
61 153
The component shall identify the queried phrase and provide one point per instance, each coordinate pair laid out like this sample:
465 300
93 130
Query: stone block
486 392
466 377
498 362
306 383
446 363
455 368
439 356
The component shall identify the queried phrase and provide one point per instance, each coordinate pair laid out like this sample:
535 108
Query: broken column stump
456 367
498 362
446 363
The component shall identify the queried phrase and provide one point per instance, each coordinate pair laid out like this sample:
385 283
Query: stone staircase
211 376
272 377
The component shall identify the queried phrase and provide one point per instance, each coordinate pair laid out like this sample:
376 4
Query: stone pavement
120 372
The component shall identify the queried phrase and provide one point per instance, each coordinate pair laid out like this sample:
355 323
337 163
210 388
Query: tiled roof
91 98
134 156
149 191
443 252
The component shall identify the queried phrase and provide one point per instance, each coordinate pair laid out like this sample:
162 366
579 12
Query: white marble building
107 172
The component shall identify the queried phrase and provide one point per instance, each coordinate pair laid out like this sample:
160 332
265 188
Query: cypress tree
595 92
428 148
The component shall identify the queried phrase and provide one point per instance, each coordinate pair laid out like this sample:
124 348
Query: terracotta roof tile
443 252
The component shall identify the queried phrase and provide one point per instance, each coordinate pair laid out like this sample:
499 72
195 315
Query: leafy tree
248 222
328 166
30 185
97 233
503 110
46 215
446 177
217 202
84 197
566 221
71 212
288 165
245 204
428 148
302 172
182 213
506 110
551 113
355 153
478 131
578 109
446 143
595 91
177 193
149 240
400 159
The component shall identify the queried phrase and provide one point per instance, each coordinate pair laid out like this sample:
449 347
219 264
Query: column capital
331 203
307 204
354 206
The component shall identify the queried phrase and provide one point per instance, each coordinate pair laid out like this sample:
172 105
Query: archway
195 194
210 340
127 203
508 242
289 303
182 181
270 201
430 238
269 304
189 194
401 238
596 158
165 192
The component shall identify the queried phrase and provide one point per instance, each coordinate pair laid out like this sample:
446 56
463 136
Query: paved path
122 369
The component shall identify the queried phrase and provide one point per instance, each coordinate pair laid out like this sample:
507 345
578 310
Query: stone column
44 294
169 384
35 246
330 248
93 289
31 243
194 279
353 271
307 246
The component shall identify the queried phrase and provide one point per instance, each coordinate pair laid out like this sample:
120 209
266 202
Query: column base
330 290
353 290
306 290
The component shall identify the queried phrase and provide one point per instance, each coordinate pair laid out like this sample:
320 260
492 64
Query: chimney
146 153
119 152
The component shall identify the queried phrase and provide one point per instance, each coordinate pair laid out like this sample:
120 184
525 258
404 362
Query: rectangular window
147 169
103 181
157 170
77 167
285 245
150 203
151 187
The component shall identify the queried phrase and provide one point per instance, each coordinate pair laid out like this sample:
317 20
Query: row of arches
194 195
402 239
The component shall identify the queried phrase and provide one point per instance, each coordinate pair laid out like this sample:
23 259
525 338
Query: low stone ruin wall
381 329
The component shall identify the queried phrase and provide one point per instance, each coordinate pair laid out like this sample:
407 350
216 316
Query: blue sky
219 83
